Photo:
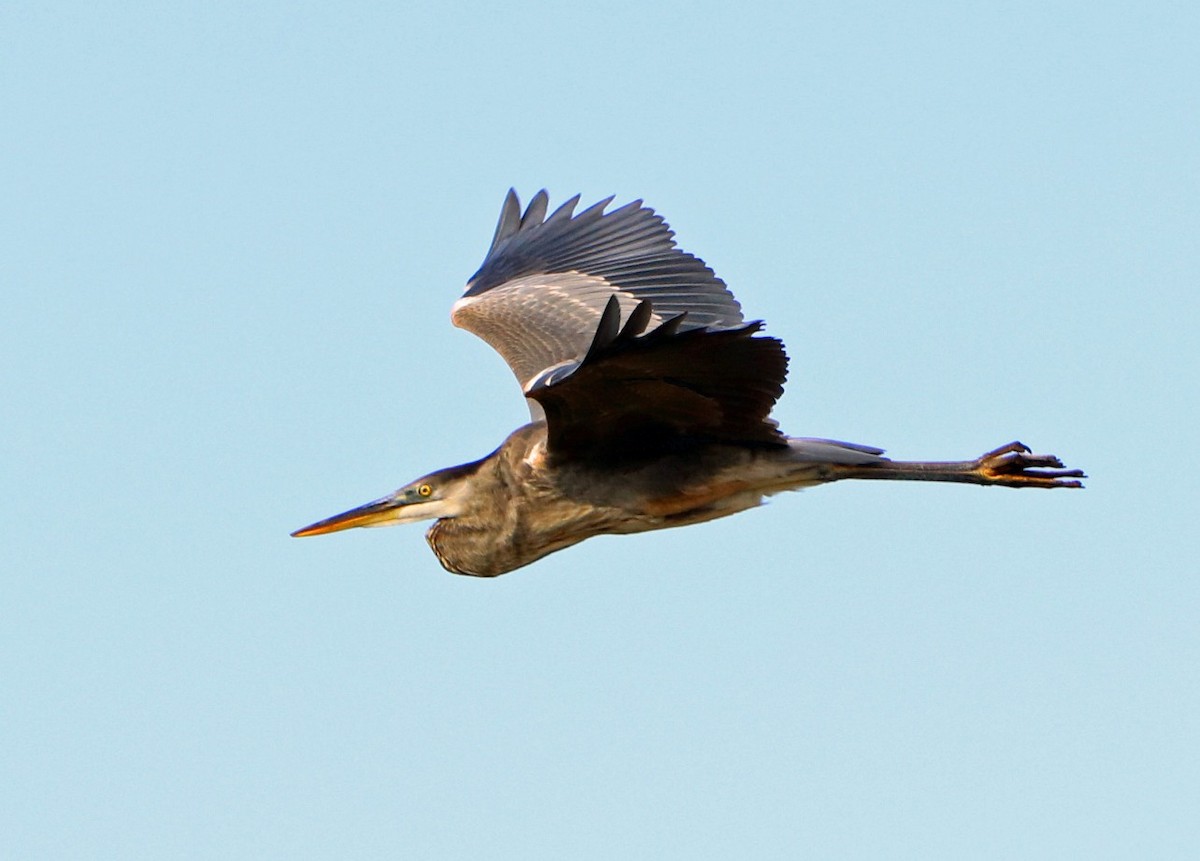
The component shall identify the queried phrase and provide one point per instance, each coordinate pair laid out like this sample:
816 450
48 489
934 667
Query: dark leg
1011 465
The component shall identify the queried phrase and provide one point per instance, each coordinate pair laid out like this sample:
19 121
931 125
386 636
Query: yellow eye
425 490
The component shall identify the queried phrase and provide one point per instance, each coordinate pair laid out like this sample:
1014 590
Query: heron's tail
806 450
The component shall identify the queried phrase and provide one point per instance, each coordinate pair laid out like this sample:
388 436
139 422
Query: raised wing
546 281
639 395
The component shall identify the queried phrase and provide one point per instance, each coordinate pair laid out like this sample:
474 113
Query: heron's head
445 493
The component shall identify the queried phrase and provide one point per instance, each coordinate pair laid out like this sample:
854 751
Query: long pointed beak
381 512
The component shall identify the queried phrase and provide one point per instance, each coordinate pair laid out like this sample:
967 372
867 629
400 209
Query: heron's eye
425 490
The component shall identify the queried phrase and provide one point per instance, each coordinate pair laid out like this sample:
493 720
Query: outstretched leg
1010 465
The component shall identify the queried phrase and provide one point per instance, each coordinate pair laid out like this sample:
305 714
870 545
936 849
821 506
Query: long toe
1013 465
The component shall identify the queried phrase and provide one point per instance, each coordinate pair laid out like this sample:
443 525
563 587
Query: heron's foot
1013 465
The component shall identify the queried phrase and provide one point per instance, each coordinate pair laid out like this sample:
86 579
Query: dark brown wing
635 395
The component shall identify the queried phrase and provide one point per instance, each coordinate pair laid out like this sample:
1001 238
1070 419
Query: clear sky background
231 237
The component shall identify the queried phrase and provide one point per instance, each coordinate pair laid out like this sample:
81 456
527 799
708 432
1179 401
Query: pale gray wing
540 293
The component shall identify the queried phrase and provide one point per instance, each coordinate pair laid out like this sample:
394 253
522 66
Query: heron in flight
650 400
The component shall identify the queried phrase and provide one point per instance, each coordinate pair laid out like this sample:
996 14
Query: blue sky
232 235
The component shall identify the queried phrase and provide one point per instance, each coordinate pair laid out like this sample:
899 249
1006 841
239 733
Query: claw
1013 465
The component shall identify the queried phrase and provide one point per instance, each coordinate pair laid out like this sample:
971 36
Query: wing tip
535 212
509 222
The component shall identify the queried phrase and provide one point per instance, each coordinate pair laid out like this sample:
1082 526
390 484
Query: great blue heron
650 400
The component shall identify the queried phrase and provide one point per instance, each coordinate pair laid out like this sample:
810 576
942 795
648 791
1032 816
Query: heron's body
548 507
650 398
